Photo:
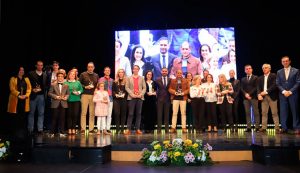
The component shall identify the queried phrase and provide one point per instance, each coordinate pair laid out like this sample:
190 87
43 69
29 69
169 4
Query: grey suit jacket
129 87
54 91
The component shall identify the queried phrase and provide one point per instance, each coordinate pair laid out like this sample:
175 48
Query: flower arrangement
179 152
3 149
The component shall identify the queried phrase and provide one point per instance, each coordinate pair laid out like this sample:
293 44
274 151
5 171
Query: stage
266 148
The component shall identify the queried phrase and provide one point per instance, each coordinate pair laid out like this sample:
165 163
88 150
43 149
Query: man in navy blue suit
162 60
288 82
163 100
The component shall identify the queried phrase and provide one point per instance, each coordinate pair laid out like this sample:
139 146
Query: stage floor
220 141
130 167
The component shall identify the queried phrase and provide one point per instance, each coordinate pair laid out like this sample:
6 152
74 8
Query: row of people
129 93
165 59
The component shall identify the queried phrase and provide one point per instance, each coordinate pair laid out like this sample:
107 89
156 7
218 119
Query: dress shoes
262 130
172 130
127 132
138 132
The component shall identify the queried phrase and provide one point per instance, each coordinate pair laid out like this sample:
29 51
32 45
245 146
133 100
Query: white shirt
287 72
39 72
209 92
249 77
60 87
53 77
196 91
149 83
266 82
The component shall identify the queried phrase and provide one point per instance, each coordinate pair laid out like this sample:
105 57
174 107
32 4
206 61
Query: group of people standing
149 101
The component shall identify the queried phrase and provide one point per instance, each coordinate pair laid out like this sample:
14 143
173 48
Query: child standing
59 93
101 99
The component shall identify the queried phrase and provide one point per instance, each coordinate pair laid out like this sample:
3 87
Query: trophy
37 88
22 91
152 92
120 94
74 91
105 98
91 84
178 91
136 92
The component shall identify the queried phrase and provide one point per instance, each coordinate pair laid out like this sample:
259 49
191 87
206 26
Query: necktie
165 82
164 61
286 73
248 77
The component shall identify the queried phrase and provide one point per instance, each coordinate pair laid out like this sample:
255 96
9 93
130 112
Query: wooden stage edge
215 155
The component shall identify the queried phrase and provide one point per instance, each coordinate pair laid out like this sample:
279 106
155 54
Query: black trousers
120 109
163 113
198 107
211 113
235 111
73 114
226 113
58 119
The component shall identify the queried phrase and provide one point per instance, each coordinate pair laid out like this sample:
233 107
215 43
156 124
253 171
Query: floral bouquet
3 149
178 152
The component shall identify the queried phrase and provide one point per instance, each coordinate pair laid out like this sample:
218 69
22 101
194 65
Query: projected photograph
190 50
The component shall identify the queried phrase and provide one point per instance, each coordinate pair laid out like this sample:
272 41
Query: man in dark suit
59 93
268 94
249 92
162 60
288 82
163 100
236 85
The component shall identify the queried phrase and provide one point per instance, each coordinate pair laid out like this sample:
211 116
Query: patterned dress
101 109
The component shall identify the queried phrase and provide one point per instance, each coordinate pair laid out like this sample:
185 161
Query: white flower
153 158
203 158
1 154
177 141
3 150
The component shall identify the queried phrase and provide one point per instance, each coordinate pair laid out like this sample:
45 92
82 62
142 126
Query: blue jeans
39 103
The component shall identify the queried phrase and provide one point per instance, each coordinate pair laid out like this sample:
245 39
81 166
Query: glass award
91 84
22 91
38 88
121 94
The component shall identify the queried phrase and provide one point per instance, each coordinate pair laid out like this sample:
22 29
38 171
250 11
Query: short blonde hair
195 79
